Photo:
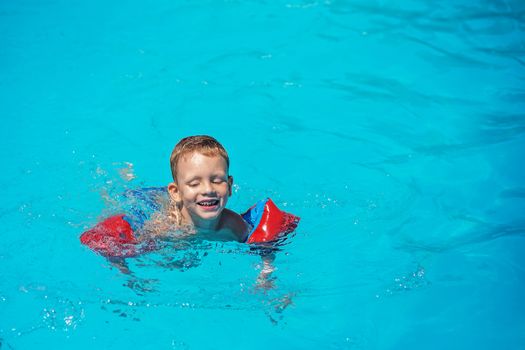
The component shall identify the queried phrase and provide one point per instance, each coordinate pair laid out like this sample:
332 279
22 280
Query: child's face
203 186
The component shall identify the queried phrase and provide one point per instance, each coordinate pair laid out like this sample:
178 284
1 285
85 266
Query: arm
265 280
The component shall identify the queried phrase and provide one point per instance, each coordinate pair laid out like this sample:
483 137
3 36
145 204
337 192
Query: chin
210 216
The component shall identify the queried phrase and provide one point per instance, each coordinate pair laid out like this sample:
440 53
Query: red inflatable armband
269 222
111 237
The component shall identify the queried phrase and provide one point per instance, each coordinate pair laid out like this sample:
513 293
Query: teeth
209 203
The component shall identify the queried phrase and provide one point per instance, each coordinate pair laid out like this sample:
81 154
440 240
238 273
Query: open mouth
209 203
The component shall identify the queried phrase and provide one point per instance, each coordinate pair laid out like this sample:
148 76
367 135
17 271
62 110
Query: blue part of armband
253 215
144 202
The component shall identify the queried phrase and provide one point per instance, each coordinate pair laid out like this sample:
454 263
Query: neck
199 224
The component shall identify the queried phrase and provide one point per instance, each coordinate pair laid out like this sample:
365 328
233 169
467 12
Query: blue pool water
394 129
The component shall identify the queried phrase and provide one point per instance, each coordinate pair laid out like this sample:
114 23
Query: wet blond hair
203 144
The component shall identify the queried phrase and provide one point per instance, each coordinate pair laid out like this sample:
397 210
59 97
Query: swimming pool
396 132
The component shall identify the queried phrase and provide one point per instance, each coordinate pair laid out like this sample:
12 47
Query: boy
196 207
200 190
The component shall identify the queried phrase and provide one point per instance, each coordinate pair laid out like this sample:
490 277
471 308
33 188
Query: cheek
188 195
225 190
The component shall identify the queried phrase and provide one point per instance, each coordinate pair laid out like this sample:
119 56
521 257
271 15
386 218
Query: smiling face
202 186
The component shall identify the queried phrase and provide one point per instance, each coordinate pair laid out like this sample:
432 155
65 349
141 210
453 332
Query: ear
230 184
173 190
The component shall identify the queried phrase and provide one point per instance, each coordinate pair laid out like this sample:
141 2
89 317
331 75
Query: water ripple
518 192
379 88
479 233
451 57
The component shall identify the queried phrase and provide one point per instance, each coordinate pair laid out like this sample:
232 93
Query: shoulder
236 224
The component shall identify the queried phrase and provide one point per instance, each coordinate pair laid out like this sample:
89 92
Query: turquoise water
394 129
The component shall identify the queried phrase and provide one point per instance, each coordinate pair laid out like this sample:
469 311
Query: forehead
197 163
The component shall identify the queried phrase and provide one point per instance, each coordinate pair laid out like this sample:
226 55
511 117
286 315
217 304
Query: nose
207 188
